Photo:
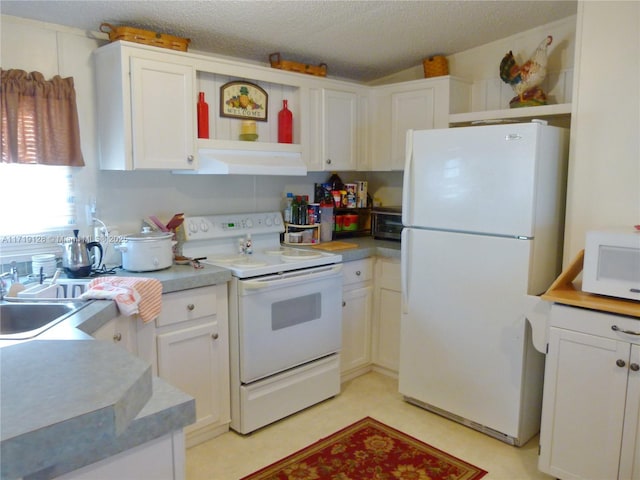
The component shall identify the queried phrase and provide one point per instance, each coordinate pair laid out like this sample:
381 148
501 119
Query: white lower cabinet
120 331
370 316
591 401
188 345
357 300
159 459
386 319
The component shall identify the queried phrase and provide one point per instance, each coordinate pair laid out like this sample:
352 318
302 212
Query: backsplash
124 198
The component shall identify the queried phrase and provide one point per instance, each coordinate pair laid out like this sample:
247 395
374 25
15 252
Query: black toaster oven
386 223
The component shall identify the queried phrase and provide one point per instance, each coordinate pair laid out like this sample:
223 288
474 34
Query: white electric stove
285 315
223 241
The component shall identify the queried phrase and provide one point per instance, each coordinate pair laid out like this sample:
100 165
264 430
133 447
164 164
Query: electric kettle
76 259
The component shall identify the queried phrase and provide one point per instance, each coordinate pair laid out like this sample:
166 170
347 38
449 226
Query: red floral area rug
369 450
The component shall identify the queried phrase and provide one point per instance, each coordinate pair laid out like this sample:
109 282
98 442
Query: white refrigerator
483 211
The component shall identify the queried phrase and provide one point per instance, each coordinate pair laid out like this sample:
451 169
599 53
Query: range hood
214 161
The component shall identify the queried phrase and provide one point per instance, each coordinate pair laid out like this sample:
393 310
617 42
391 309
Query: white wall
482 62
604 166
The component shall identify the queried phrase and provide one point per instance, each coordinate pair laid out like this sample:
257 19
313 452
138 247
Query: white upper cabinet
416 105
333 130
409 110
146 102
147 98
162 113
339 117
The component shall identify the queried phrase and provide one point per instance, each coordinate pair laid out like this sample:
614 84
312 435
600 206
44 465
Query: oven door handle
298 276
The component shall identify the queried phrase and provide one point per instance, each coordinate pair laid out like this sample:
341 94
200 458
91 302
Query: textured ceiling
360 40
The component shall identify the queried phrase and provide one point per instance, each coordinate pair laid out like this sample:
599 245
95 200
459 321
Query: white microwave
612 263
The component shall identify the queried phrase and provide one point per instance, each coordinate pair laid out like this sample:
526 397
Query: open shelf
559 114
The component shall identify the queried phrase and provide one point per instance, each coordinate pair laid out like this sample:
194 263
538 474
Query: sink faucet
13 274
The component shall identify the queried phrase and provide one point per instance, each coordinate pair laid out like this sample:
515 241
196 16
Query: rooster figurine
526 79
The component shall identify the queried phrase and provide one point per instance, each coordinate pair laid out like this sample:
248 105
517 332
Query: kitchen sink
23 320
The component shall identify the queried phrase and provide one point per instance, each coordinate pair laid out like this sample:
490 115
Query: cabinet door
339 130
409 110
162 115
387 314
583 405
356 328
192 359
161 458
120 331
630 454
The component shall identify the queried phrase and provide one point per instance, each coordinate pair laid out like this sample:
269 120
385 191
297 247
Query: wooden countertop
564 290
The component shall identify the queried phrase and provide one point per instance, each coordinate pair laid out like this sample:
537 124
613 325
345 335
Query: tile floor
231 456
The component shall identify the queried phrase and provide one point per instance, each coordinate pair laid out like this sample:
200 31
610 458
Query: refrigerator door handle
406 182
404 264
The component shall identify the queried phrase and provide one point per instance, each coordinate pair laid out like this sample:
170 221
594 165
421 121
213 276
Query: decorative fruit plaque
243 100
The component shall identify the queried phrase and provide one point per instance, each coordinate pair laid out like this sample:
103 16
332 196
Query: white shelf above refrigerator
559 115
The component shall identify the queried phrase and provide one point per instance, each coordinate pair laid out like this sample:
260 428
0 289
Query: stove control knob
204 226
193 227
268 222
248 223
277 220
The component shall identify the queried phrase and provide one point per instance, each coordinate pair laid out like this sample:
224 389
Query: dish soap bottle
285 124
287 207
203 117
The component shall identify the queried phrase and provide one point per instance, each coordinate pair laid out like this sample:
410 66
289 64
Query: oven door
288 319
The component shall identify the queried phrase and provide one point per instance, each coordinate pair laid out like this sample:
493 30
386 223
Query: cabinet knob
620 362
328 161
191 307
214 336
344 304
117 337
635 367
190 159
358 273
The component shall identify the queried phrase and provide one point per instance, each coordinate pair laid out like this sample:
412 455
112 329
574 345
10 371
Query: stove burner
248 263
295 255
226 259
276 251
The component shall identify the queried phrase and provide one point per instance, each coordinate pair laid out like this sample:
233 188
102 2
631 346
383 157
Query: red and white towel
133 295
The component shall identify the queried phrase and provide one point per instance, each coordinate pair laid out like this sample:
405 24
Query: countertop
68 400
365 247
566 290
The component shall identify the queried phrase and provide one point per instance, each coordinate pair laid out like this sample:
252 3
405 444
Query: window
36 198
39 120
40 143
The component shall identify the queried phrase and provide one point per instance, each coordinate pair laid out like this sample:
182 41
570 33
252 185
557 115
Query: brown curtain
39 120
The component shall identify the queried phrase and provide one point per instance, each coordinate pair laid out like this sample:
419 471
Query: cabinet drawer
357 271
188 305
596 323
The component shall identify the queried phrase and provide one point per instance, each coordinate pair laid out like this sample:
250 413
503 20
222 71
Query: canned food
350 223
314 213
